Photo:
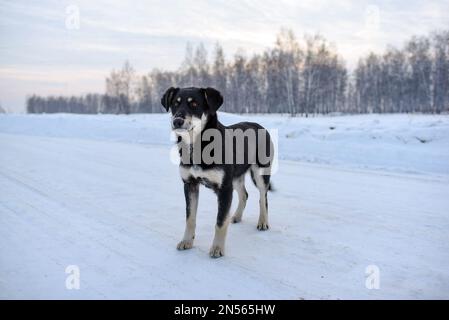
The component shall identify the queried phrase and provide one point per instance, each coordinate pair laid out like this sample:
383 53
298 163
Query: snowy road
116 210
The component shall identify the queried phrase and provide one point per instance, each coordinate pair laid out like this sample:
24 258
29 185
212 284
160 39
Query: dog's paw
216 251
263 226
185 244
236 219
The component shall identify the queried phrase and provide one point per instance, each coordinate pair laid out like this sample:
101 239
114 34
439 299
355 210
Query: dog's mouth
188 127
183 130
191 127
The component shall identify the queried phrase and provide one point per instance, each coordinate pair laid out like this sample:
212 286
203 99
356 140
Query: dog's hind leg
239 186
191 192
262 183
224 195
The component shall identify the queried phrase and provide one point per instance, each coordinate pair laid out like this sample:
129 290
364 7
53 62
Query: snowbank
402 143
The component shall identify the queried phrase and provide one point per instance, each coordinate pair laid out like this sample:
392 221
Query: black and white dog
194 121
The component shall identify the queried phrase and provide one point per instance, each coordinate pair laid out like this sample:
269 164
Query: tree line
295 77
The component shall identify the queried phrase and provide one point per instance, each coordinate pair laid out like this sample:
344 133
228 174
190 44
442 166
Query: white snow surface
100 192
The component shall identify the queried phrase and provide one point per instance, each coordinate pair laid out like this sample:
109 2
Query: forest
299 77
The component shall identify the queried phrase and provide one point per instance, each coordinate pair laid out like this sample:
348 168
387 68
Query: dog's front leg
191 192
224 195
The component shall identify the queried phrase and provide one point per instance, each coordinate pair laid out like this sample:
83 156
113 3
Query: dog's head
191 107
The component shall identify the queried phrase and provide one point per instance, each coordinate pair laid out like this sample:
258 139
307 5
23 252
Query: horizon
68 48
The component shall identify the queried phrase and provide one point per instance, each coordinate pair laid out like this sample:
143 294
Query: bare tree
118 87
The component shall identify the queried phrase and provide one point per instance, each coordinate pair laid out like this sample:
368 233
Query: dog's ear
168 96
214 98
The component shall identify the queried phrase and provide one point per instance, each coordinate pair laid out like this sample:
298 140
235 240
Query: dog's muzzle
178 123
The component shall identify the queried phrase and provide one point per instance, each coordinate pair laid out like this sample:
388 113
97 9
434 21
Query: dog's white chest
209 176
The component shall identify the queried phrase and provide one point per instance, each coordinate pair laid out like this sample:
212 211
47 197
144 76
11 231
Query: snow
100 192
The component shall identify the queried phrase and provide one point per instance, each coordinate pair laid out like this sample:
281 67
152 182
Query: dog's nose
178 122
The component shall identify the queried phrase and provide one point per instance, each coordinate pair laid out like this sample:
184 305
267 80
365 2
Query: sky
58 47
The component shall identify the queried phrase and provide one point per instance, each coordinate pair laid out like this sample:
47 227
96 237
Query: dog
193 115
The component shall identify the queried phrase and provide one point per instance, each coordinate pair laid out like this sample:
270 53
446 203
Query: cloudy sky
44 50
